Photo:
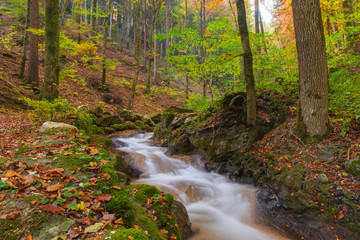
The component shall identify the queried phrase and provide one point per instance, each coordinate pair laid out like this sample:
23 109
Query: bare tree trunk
155 57
313 73
127 25
106 33
186 25
85 7
33 70
137 54
62 14
167 23
25 42
50 86
248 65
94 17
145 33
91 12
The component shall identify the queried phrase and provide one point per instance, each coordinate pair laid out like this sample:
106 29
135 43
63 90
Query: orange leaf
29 238
10 174
55 187
52 208
116 187
10 216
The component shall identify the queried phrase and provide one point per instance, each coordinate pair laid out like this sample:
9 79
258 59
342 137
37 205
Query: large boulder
57 126
109 120
183 219
129 115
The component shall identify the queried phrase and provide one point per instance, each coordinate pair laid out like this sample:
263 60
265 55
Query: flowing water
218 209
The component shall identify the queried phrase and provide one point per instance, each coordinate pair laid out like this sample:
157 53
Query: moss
143 192
148 224
124 126
86 122
121 205
97 130
72 162
110 169
143 126
126 234
156 118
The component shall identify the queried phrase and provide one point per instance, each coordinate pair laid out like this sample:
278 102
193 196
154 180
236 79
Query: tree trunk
62 14
167 23
94 17
257 27
25 42
85 7
186 25
155 57
202 49
348 12
137 54
50 86
127 24
313 73
106 33
33 70
145 34
248 65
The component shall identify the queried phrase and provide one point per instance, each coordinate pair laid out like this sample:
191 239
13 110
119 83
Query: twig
291 132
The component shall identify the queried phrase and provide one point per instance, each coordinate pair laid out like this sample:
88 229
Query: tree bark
137 54
186 25
25 42
248 65
313 73
106 34
50 86
94 17
145 33
155 57
33 70
127 24
167 23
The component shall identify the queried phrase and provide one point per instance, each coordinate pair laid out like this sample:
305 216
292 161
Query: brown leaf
52 208
2 196
55 187
120 221
109 217
103 198
92 151
1 207
56 171
10 216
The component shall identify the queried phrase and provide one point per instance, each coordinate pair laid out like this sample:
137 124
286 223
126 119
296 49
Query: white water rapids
218 208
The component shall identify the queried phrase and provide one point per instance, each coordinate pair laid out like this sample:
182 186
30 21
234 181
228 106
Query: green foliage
16 8
6 41
57 110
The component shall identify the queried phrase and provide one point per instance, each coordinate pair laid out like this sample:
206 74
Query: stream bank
295 188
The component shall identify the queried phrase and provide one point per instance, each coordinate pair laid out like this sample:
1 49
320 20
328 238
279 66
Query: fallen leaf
55 187
10 216
103 198
2 196
10 174
52 208
116 187
120 221
29 238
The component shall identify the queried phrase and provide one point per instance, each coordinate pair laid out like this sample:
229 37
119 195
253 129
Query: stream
218 208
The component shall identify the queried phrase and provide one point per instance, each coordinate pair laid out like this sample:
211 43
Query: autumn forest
147 119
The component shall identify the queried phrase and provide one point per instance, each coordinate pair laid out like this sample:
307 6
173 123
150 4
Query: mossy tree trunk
33 70
25 42
313 72
137 54
248 64
93 17
50 86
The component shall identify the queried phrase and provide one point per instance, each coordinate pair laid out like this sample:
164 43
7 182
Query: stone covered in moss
109 120
353 166
126 234
156 118
122 206
124 126
129 115
147 223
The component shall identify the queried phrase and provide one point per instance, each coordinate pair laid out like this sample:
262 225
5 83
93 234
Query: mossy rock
122 206
97 111
156 118
72 162
124 126
97 130
107 121
114 178
143 126
129 115
120 163
87 123
148 224
123 233
353 166
167 118
143 192
108 130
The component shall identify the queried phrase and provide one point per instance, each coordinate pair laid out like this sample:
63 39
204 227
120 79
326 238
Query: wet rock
323 178
183 219
58 126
